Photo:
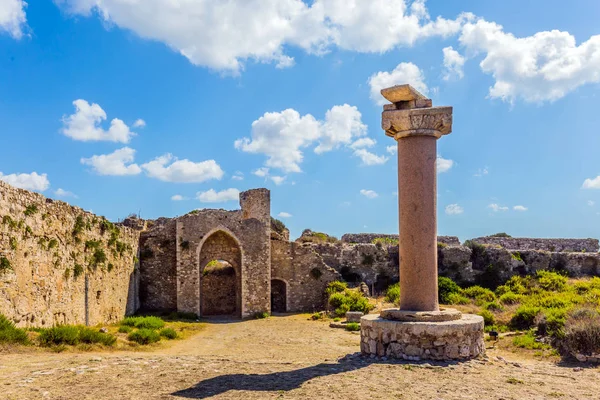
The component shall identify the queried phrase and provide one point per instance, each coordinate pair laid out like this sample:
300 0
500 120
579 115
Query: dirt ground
283 357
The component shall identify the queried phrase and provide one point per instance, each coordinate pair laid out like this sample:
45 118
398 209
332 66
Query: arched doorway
220 261
278 296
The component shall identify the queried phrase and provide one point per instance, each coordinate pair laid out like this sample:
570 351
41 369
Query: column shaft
417 198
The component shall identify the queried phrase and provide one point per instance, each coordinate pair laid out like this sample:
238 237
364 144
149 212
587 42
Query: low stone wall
62 265
554 245
369 237
450 340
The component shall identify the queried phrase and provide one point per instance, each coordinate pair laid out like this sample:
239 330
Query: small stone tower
256 203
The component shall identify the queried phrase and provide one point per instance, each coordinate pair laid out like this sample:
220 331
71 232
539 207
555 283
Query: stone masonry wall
305 273
158 266
554 245
52 254
369 237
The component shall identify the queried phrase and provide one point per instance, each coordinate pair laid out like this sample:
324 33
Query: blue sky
117 108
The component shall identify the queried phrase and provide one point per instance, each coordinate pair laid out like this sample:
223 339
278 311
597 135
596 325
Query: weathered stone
447 314
354 316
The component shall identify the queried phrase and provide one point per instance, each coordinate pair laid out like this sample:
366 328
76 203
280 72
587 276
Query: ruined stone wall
175 249
62 265
369 237
554 245
305 273
158 266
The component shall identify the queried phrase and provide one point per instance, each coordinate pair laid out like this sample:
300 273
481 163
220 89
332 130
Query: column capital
412 114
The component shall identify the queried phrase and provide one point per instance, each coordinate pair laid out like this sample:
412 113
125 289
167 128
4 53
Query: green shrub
524 317
501 235
349 300
144 336
336 287
125 329
52 244
98 257
13 243
261 315
385 241
446 286
30 210
551 281
168 333
317 316
278 226
581 333
515 284
392 294
353 326
551 322
63 334
9 334
150 322
77 270
457 298
510 298
493 306
90 336
5 264
480 294
337 319
528 341
516 256
488 317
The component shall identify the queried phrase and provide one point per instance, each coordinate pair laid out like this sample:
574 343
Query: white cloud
443 165
363 142
495 207
278 180
591 203
369 158
542 67
139 123
169 169
453 64
520 208
212 196
342 124
481 172
405 72
284 215
238 176
64 193
261 172
591 183
392 149
118 163
12 17
370 194
32 181
178 197
84 125
261 30
282 136
454 209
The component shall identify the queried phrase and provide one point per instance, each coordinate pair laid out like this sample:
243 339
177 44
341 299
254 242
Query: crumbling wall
304 272
370 237
158 266
553 245
62 265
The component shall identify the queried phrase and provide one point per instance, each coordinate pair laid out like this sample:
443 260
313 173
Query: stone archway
278 296
220 268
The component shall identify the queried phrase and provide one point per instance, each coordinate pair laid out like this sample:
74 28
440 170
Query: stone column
416 125
419 329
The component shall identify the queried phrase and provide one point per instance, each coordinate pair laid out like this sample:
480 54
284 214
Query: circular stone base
444 314
448 340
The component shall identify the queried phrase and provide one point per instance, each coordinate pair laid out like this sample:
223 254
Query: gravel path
282 358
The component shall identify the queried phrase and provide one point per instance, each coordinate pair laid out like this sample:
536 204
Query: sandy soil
283 358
